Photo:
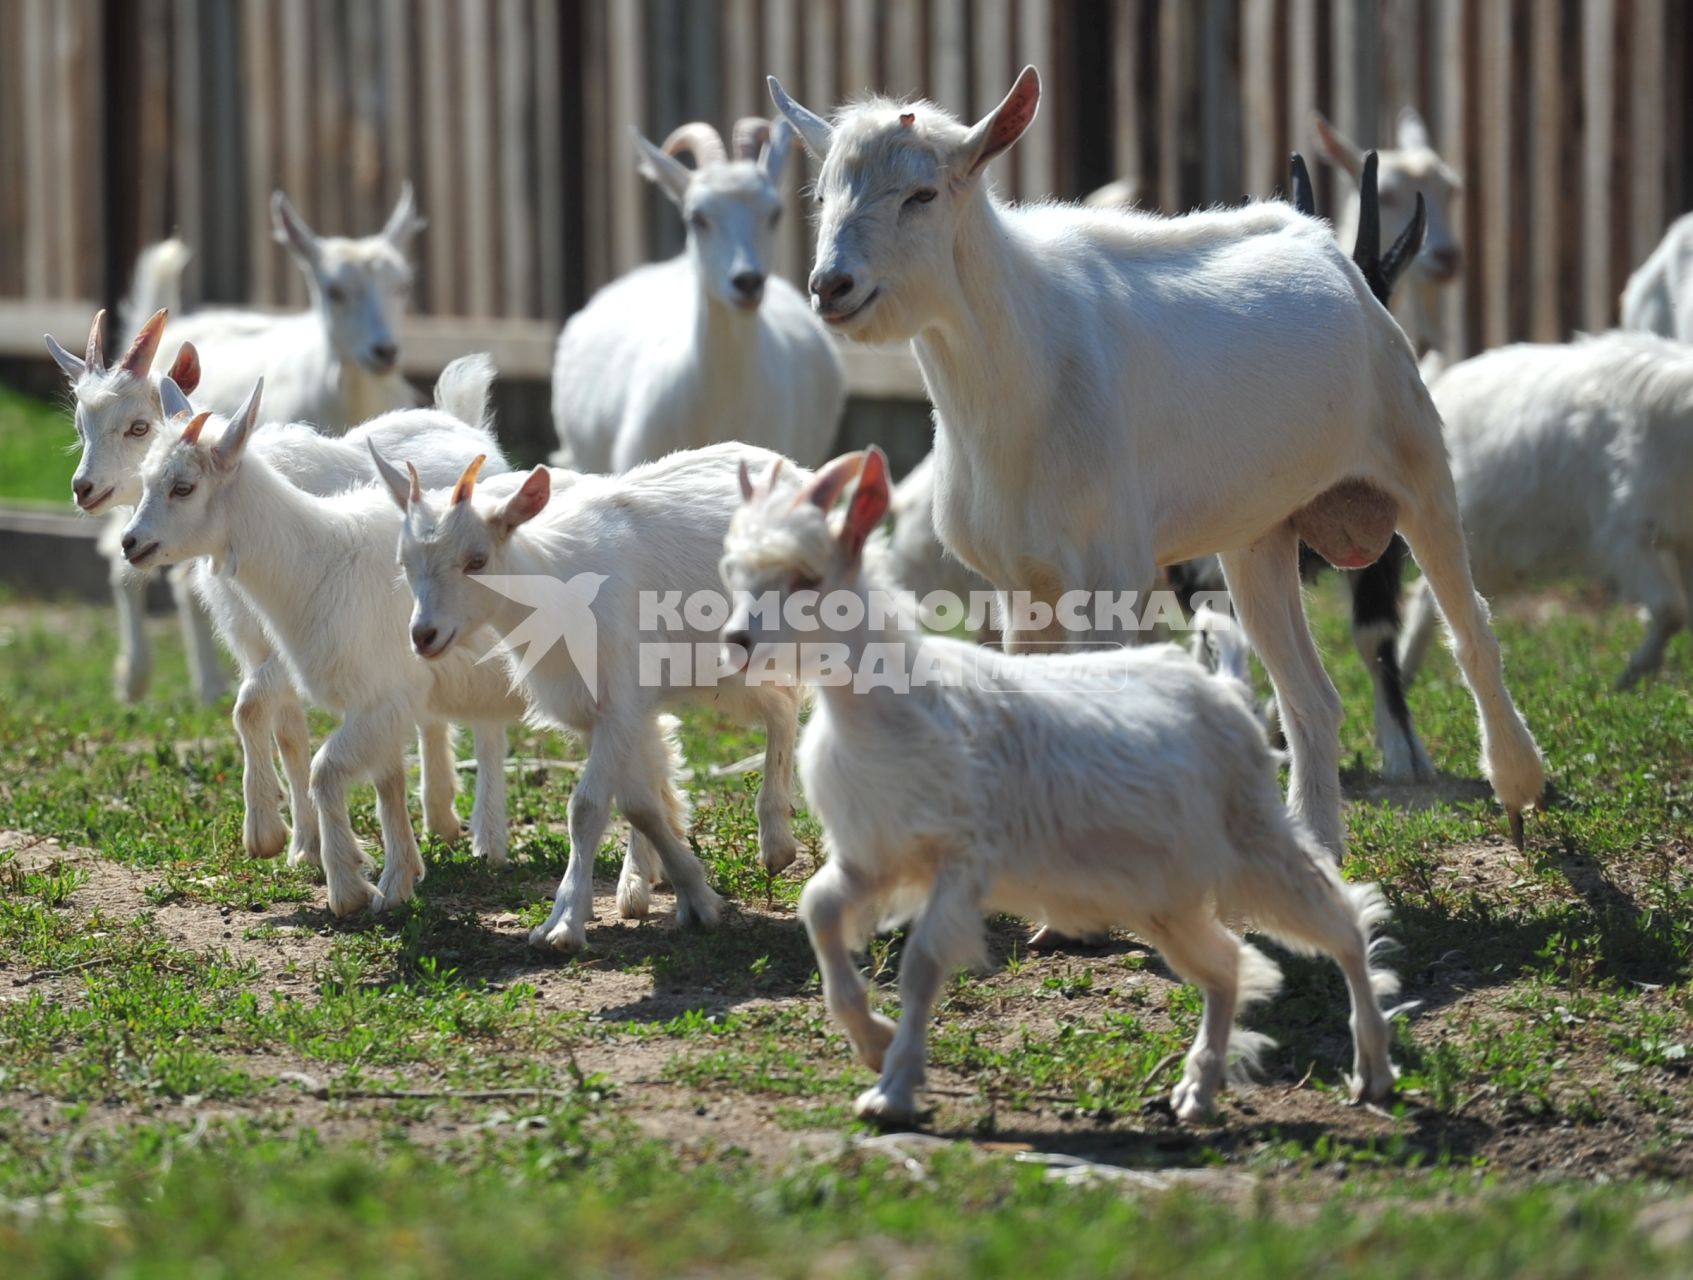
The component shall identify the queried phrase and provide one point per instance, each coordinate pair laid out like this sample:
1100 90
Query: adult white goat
709 345
1114 391
1575 459
319 571
116 409
1659 295
1125 788
1413 168
603 554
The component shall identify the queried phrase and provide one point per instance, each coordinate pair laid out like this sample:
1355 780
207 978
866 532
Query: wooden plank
1647 77
14 173
1175 91
1036 154
24 320
1545 227
329 207
400 121
782 59
822 53
625 40
187 154
516 92
549 162
902 39
1264 165
1598 80
443 244
860 67
476 159
1219 103
258 75
1454 102
743 76
882 373
596 153
39 192
990 59
294 172
1491 180
1128 159
949 60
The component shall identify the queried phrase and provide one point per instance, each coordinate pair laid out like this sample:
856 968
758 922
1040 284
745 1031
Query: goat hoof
1373 1083
1516 821
778 853
264 835
1191 1102
305 852
1046 938
492 849
874 1048
634 898
351 898
560 937
885 1110
699 909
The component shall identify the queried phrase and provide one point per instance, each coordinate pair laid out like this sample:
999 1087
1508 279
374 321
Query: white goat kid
708 346
320 572
117 410
1116 391
1410 169
1127 788
334 365
608 546
1659 295
1575 459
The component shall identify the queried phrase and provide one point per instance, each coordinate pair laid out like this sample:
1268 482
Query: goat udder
1348 525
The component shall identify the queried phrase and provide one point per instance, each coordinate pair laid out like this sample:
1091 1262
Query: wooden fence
124 120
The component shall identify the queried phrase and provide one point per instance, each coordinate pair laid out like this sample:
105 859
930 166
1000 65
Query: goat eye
181 489
476 564
137 429
921 196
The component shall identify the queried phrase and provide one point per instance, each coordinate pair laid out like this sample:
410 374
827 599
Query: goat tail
465 388
156 283
1257 978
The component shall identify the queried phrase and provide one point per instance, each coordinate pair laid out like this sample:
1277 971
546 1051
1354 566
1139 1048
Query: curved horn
467 482
1304 199
96 357
699 140
191 433
750 135
1366 250
1404 249
416 484
138 360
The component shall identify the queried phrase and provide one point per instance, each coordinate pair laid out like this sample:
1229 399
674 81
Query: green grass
201 1071
36 455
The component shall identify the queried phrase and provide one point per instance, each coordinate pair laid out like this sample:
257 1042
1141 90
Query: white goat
319 571
334 365
916 558
1411 169
1127 788
1575 459
607 550
116 411
1116 391
1659 295
708 346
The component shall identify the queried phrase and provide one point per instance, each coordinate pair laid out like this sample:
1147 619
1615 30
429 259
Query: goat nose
830 288
128 543
81 489
749 284
385 353
423 638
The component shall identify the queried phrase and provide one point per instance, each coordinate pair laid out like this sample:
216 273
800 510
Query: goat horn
96 357
1366 250
699 140
191 433
138 360
416 484
1303 199
750 136
467 482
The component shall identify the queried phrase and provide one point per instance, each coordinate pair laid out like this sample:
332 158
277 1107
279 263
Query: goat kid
319 571
709 345
1071 356
599 551
1123 788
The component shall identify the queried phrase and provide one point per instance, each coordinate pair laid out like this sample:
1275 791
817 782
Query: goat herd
1115 393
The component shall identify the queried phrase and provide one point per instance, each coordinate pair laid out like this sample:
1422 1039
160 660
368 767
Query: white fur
1659 295
673 356
1115 391
916 558
1575 459
657 529
1127 788
318 571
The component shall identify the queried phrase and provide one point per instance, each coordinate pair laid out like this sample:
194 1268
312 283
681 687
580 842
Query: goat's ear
524 505
399 488
665 172
775 155
1413 133
228 450
1304 198
172 400
1002 126
73 366
137 362
869 502
404 222
1335 145
828 484
185 369
290 229
813 130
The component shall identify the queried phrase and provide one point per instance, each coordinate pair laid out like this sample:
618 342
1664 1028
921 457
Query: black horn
1304 199
1366 250
1405 248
